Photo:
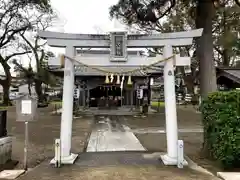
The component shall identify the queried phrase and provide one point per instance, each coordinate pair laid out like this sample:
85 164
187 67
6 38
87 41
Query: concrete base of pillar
66 160
168 161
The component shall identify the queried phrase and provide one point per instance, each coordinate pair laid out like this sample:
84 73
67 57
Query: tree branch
16 54
237 2
218 50
26 40
5 29
9 9
173 3
15 31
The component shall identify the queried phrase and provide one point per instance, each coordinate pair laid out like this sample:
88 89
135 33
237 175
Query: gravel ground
117 172
44 131
188 119
42 134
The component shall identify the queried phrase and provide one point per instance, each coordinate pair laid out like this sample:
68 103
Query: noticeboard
26 108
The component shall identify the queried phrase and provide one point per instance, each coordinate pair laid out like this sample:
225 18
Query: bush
221 120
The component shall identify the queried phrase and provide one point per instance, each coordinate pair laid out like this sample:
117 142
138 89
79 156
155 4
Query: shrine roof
230 73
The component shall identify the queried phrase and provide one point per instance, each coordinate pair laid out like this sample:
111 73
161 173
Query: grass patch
156 104
57 103
3 107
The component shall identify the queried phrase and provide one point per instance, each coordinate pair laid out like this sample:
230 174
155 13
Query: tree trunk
6 88
29 89
204 51
226 57
38 89
6 83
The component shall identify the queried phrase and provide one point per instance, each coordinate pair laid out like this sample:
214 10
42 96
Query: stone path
109 134
229 175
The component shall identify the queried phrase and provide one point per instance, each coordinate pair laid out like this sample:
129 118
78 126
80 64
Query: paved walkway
110 135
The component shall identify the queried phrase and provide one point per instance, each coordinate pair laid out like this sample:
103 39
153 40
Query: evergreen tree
147 15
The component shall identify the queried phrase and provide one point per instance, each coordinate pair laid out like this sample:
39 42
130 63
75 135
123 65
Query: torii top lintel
58 39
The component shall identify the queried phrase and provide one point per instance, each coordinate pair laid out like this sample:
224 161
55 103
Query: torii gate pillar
170 109
67 109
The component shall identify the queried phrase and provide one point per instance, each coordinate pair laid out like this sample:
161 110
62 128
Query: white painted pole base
181 161
66 160
169 161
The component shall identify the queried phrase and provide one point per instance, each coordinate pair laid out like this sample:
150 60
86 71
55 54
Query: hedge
221 121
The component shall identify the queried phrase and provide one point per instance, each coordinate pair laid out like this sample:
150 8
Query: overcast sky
81 16
84 16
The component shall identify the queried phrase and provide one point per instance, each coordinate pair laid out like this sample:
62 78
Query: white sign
151 81
143 87
26 107
140 93
76 93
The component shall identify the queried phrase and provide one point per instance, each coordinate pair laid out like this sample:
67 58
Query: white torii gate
123 40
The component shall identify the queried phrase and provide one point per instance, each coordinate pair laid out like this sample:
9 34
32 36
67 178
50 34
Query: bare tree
16 17
37 47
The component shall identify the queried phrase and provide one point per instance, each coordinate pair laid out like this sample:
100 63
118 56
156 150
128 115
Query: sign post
26 147
26 107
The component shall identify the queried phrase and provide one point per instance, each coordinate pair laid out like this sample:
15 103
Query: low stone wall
5 149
